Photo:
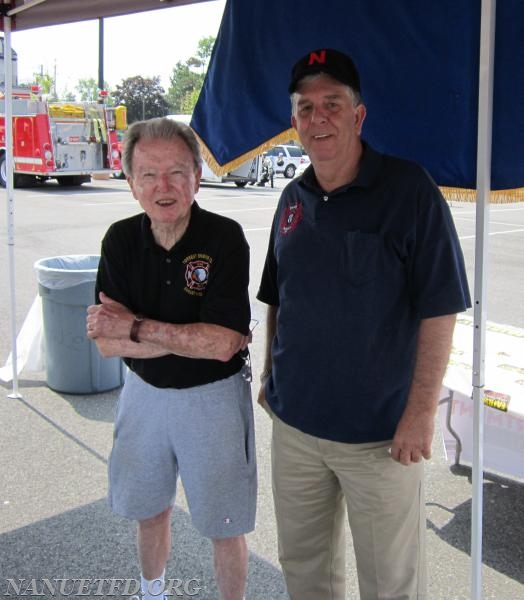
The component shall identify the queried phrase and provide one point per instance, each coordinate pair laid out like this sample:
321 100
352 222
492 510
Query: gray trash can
73 363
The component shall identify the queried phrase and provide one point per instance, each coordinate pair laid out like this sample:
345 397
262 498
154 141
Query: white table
503 397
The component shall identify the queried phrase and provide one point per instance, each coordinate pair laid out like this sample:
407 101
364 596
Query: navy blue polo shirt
204 278
352 273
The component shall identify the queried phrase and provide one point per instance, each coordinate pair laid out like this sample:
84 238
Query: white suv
289 158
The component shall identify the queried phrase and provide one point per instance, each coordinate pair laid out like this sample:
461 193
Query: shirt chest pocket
359 257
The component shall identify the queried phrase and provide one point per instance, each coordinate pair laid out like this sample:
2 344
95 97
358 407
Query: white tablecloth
503 396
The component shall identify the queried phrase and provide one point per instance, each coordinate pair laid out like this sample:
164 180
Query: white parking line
491 222
502 223
514 208
470 212
472 237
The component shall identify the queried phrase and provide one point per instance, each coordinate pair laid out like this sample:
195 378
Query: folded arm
109 325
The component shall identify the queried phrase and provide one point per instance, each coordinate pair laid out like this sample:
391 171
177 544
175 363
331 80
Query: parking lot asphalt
54 447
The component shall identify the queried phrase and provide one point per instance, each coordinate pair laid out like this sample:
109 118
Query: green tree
184 82
188 102
144 98
47 84
205 48
88 89
187 78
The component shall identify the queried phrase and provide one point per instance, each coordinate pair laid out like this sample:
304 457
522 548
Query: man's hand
413 438
414 434
110 319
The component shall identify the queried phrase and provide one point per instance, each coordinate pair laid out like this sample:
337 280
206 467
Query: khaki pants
314 482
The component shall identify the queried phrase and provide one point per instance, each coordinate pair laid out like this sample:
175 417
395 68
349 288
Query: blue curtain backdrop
418 61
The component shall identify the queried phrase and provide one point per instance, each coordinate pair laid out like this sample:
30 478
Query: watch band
133 334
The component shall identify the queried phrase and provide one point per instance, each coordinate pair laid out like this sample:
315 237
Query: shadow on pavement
503 524
91 543
96 407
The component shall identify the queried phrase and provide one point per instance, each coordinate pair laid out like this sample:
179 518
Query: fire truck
66 141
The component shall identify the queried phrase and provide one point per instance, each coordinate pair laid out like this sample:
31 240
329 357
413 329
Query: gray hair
356 98
161 128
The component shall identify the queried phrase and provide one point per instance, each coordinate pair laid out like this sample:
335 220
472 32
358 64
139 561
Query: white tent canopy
28 14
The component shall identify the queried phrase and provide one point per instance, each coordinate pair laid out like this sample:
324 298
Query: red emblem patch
291 217
197 274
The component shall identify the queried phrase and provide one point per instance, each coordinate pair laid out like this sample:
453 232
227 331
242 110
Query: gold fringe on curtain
497 196
281 138
452 194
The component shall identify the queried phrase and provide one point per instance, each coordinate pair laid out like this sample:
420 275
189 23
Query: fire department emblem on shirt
291 217
197 274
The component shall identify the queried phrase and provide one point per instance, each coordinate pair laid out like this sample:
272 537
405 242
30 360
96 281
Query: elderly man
173 301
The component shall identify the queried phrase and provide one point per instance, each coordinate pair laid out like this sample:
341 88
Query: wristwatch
133 334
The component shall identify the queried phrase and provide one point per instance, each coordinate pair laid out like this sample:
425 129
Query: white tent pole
9 163
485 119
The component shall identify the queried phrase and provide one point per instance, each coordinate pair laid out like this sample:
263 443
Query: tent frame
10 204
484 139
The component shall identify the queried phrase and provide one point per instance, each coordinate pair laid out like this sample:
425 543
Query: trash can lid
60 272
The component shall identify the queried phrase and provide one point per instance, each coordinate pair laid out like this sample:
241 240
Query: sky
146 44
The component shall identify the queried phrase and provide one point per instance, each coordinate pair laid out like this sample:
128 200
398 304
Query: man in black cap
364 276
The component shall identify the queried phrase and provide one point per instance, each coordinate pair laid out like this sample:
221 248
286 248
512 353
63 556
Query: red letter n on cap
319 58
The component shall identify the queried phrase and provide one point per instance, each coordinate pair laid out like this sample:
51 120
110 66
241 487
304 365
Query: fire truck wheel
24 181
19 181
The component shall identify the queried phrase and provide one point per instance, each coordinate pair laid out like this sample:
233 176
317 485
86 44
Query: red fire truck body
68 142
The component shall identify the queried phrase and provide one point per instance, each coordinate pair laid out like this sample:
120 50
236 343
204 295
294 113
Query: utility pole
100 54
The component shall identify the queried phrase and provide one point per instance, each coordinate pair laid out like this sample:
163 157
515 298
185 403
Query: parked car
287 158
301 168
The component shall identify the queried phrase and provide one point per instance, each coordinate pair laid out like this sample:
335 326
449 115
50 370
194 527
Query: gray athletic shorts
204 434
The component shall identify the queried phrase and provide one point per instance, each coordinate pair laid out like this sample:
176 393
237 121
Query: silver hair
161 128
356 98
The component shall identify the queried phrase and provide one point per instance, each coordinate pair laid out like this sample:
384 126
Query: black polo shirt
204 278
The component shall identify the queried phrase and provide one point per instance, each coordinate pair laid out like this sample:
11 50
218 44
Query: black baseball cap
326 60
